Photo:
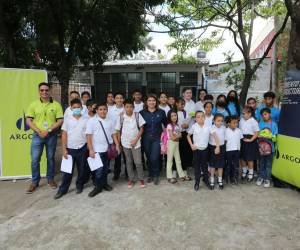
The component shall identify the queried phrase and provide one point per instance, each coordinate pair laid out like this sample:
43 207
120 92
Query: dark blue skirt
216 161
249 150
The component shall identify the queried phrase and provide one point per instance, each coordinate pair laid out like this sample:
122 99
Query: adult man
44 117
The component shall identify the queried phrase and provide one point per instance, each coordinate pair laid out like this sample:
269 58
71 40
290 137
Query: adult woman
221 106
201 95
233 103
155 119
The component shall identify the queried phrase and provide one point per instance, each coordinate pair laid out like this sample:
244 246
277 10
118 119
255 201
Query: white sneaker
267 184
259 181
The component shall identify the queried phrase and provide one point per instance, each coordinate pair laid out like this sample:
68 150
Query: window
134 82
161 81
102 85
188 78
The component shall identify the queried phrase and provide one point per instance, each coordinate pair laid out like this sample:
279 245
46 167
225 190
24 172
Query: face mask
94 111
221 104
231 98
76 111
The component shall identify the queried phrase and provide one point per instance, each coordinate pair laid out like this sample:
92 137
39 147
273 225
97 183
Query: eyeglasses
44 90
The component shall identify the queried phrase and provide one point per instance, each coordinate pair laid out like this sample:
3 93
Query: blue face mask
76 111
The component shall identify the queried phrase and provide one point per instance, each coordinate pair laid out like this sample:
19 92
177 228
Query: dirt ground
158 217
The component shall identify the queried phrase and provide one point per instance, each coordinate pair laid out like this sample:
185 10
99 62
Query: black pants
79 158
186 153
232 168
118 166
200 165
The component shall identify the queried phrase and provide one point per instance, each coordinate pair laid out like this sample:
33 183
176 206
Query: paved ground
159 217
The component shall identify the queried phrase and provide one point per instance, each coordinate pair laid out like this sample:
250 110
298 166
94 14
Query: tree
236 16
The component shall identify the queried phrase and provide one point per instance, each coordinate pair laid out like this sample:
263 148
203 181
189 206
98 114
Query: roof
148 62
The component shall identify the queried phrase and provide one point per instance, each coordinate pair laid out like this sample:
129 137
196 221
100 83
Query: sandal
186 178
172 180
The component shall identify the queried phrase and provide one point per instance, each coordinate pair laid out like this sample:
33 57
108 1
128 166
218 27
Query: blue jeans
79 158
151 147
265 167
37 147
101 173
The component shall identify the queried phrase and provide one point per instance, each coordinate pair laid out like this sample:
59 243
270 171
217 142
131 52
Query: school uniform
209 120
217 160
186 154
114 115
138 107
129 129
100 145
165 108
199 106
249 150
77 148
200 140
233 146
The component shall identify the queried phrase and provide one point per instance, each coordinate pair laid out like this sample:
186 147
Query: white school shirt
220 132
183 119
138 107
190 106
208 121
69 112
176 129
165 108
200 135
75 129
130 129
114 113
199 106
94 128
233 139
249 127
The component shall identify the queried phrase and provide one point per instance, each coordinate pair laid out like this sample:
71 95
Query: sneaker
130 184
142 185
52 184
32 188
267 184
259 181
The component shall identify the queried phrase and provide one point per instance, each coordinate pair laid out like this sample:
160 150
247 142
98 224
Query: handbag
112 151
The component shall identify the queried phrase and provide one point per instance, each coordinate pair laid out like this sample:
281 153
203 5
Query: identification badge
45 125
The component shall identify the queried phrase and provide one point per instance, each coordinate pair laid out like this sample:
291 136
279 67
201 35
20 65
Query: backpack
136 114
265 145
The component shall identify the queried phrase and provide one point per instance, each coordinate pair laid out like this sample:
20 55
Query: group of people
217 138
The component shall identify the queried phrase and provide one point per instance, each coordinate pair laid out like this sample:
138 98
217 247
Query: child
233 104
173 132
200 147
221 106
130 128
99 129
269 99
233 136
249 147
201 97
91 106
163 99
137 98
267 136
208 106
186 154
74 144
217 150
172 102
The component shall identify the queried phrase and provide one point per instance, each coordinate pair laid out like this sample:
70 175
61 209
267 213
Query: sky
160 41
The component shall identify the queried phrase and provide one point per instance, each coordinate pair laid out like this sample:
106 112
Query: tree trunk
64 77
294 43
245 85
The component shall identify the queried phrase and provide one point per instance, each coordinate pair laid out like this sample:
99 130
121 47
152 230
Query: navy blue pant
101 173
152 150
200 164
233 164
79 158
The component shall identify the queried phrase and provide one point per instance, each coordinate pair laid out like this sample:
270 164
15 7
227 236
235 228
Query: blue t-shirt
218 111
275 113
232 109
272 126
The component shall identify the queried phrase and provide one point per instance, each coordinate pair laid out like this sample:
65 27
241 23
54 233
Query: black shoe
58 195
221 185
107 187
212 186
79 190
234 181
196 186
116 177
156 180
95 191
150 179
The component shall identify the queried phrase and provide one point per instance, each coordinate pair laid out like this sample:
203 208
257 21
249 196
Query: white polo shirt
69 112
200 135
199 106
208 120
75 128
165 108
249 127
130 129
94 128
189 106
114 113
220 132
233 139
183 119
138 107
